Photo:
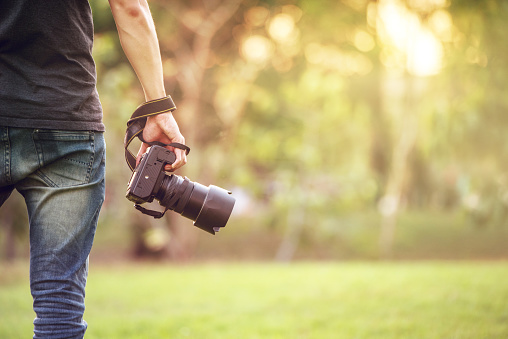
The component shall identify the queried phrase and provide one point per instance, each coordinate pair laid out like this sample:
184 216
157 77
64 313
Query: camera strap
137 123
152 213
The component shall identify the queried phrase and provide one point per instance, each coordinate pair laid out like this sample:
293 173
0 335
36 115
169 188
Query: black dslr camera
209 207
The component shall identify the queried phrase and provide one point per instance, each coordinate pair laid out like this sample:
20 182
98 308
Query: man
51 138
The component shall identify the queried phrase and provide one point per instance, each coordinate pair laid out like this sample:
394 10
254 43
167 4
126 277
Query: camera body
209 207
148 175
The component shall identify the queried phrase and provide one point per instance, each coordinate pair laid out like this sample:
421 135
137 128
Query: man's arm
139 41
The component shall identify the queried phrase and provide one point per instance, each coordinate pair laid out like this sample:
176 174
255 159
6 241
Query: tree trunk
405 114
192 51
291 239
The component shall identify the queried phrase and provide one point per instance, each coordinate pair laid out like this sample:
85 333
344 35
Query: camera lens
209 207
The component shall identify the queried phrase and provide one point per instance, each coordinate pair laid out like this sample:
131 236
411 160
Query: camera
209 207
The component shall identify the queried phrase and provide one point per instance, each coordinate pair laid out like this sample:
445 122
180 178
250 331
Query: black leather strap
137 123
155 214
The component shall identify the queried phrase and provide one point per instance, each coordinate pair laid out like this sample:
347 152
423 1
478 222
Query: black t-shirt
47 74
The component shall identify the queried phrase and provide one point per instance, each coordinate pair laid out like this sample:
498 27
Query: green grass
266 300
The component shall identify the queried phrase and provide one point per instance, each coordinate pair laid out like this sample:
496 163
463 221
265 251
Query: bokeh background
350 129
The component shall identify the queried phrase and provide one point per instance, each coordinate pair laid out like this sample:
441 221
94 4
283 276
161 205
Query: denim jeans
61 177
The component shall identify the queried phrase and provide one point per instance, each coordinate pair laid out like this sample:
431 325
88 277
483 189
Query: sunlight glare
281 27
256 49
401 30
425 54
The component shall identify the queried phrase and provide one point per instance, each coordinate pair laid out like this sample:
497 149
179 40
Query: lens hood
216 209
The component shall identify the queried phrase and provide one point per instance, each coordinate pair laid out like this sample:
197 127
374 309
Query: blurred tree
188 52
325 108
478 105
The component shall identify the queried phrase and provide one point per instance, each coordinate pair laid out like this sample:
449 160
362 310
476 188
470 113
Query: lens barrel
209 207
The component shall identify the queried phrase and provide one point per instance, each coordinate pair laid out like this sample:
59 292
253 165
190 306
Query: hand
163 128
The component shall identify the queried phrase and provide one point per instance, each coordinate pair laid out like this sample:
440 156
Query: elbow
130 8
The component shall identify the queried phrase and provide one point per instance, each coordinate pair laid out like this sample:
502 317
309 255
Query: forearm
139 41
140 44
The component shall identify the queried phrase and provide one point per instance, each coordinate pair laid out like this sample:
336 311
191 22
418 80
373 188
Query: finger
181 159
141 151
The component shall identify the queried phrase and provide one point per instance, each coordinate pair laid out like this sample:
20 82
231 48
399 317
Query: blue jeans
61 177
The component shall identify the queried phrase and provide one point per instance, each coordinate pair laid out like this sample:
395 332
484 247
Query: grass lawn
267 300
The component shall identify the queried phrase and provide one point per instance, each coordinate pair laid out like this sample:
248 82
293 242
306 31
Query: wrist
155 95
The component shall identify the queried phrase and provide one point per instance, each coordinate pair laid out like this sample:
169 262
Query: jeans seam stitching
38 150
45 179
7 155
92 159
40 159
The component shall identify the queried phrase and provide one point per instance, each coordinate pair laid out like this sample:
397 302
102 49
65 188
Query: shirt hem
53 124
